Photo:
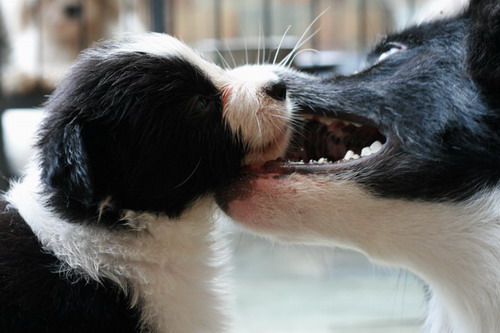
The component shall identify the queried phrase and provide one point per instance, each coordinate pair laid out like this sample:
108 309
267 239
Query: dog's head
143 123
70 23
421 122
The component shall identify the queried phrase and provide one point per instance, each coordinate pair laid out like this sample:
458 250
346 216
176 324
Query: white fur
263 121
453 247
174 270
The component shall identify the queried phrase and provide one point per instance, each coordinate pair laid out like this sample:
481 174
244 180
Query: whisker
230 54
246 50
279 45
258 44
301 51
291 54
226 65
306 31
190 176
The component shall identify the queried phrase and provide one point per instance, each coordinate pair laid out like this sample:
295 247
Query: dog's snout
277 90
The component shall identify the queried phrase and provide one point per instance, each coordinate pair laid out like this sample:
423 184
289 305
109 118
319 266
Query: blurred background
277 288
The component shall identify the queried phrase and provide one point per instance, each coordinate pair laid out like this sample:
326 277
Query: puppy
112 229
407 165
47 35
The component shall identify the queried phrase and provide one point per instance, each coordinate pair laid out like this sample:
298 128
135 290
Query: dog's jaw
463 274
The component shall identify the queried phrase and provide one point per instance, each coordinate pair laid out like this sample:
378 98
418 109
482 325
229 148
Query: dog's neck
170 268
453 247
455 250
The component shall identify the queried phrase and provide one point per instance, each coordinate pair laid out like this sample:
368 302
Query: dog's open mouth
324 144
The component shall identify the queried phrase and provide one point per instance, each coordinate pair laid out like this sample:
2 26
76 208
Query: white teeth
357 125
366 151
376 147
347 123
322 160
355 156
348 155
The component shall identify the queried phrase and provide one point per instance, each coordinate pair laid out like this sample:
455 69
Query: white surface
19 128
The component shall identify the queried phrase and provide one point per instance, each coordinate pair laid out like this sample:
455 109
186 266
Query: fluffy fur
112 228
429 199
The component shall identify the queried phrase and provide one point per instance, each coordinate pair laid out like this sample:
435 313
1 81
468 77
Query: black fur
137 131
144 130
437 100
56 303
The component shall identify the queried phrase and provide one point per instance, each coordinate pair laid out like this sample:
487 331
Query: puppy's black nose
277 90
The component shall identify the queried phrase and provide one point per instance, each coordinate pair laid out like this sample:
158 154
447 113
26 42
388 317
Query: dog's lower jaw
173 270
452 247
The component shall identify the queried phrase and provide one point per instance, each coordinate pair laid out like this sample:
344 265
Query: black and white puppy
416 183
112 229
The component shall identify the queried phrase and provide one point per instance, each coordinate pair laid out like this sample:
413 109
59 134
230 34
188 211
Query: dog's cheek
279 207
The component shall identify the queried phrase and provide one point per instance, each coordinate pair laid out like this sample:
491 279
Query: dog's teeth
347 123
355 156
376 147
348 156
357 125
366 151
322 160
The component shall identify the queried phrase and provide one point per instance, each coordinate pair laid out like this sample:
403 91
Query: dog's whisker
280 44
300 52
246 50
190 176
258 44
299 42
298 46
221 57
230 54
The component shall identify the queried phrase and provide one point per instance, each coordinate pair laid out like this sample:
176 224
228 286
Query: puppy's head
143 123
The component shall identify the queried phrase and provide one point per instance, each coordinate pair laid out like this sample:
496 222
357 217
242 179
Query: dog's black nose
277 90
73 11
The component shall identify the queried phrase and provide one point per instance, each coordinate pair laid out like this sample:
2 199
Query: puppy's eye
200 106
390 49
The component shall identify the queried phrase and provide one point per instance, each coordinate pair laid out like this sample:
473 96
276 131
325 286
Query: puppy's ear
65 168
483 44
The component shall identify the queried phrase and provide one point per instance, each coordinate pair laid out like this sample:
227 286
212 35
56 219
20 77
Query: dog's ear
65 167
483 44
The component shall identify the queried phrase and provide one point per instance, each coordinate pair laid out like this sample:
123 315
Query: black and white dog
415 181
112 228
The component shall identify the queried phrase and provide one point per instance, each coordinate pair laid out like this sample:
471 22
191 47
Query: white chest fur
172 269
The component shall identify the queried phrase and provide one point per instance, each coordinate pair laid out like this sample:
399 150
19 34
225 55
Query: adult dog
415 182
112 228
